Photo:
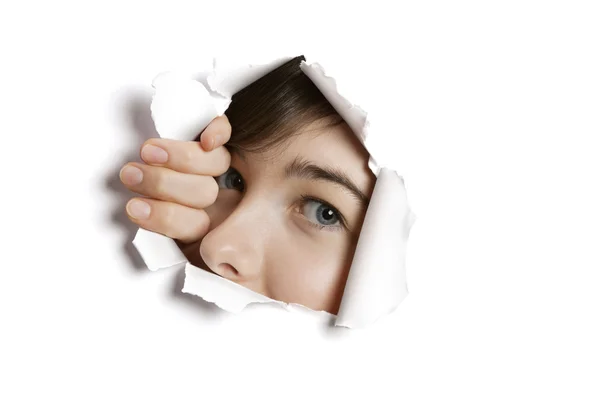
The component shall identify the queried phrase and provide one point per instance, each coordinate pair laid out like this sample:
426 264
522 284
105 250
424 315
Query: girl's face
286 222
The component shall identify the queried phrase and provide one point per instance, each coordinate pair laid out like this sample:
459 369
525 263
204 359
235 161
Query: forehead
327 146
331 145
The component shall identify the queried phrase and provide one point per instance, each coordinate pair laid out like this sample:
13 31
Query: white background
497 121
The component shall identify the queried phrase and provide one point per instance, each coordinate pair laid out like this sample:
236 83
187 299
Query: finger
185 157
197 191
169 219
216 134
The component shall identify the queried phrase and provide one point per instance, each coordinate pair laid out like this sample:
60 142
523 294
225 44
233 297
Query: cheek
311 271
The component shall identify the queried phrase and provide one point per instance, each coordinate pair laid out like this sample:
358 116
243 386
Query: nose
235 248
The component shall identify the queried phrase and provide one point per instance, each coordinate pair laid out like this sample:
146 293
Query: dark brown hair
269 111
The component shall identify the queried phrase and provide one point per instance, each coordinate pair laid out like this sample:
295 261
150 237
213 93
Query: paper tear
226 294
377 280
229 78
183 107
158 251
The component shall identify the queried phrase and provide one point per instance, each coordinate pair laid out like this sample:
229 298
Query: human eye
231 179
321 214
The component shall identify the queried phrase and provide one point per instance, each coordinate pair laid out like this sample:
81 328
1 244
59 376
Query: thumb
216 134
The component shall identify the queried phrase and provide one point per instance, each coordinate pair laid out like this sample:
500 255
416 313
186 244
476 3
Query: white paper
227 79
183 107
229 295
377 280
158 251
224 293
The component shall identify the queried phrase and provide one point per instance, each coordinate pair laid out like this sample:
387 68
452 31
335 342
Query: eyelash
305 198
343 225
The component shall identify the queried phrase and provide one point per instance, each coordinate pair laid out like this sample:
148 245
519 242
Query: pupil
326 215
234 180
237 183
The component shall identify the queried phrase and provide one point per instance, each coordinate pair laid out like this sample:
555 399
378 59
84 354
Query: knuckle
202 224
211 190
193 230
159 183
187 155
204 220
166 220
196 227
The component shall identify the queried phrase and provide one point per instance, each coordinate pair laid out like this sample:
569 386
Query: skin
288 236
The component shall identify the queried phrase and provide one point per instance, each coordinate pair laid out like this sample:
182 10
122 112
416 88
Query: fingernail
138 209
154 154
217 141
131 175
211 144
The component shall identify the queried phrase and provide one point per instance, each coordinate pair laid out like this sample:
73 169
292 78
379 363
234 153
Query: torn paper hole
296 257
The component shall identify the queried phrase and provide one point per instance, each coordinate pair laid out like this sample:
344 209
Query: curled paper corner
344 323
353 114
411 217
376 285
181 106
379 259
158 251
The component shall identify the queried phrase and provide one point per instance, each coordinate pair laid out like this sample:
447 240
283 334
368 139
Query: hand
177 180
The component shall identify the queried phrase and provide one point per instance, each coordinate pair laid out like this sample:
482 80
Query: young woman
278 208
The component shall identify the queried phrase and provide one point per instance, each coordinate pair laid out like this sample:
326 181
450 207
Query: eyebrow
303 169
